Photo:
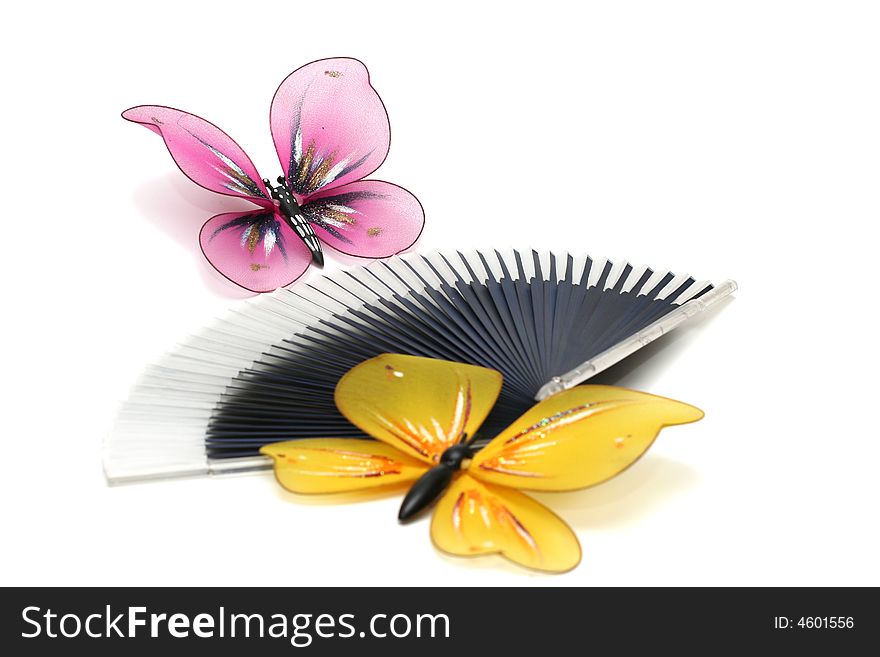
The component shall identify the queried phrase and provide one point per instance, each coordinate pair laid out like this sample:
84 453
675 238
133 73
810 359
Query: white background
736 139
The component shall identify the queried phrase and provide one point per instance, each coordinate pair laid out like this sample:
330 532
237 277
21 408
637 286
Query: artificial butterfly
330 130
424 415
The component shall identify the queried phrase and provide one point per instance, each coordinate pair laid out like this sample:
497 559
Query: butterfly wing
206 154
577 438
368 218
336 465
329 125
420 406
475 517
256 250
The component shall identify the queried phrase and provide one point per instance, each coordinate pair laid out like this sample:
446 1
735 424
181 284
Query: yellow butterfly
424 414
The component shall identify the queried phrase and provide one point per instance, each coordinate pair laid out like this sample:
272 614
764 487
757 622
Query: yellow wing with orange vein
418 405
578 438
336 465
475 518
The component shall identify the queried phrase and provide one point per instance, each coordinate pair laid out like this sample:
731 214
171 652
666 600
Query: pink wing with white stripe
206 154
256 250
329 125
367 218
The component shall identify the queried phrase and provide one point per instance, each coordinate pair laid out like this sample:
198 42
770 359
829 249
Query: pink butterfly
331 130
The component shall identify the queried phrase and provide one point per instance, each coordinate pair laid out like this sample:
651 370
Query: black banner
433 620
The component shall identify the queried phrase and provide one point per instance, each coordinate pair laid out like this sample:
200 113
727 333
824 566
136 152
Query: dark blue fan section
528 328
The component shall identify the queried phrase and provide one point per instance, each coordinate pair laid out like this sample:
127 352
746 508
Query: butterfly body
292 213
330 131
435 481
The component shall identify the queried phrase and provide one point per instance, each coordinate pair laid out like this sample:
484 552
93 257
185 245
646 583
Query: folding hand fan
267 372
